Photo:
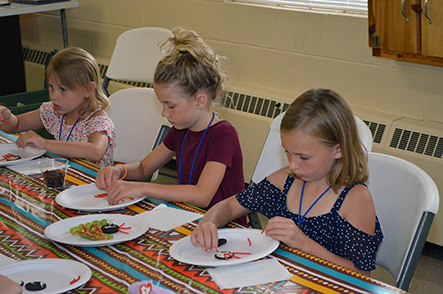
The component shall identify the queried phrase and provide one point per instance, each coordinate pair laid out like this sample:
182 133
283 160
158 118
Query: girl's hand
286 231
32 139
106 177
205 235
5 114
122 189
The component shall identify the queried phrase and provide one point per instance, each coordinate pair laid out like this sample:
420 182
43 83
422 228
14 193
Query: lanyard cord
195 156
300 218
70 132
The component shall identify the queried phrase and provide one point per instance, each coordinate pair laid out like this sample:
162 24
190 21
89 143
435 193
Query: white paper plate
26 154
237 241
82 198
59 231
57 274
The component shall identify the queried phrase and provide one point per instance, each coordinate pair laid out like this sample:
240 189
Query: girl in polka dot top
319 203
75 116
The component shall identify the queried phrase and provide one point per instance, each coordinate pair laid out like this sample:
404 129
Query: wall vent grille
420 143
254 105
377 130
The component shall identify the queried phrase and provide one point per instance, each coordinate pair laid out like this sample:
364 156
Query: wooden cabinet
407 30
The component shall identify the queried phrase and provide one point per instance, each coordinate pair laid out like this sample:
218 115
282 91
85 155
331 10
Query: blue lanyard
300 218
70 132
195 156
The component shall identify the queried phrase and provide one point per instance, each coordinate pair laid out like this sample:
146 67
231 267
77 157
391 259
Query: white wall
273 53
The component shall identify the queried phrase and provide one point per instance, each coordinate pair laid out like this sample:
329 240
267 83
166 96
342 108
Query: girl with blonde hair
319 203
76 115
188 82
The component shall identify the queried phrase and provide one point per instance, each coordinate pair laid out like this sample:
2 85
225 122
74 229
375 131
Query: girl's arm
23 122
205 234
92 150
199 195
286 231
138 171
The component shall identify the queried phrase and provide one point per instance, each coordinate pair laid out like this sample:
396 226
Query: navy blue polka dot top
329 230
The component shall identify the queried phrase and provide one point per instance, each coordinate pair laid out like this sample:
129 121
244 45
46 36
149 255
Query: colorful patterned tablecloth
27 208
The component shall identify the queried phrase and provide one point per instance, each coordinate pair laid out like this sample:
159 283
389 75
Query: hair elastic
126 171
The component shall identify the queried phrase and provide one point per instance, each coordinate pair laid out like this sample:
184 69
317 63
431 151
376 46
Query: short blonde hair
324 115
192 66
76 68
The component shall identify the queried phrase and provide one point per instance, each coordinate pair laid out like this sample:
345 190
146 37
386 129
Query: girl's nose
293 164
53 95
165 113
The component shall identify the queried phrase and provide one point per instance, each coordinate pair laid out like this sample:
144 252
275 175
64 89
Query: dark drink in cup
54 172
55 178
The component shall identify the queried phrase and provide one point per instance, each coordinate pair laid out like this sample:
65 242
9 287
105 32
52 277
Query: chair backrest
273 157
364 133
136 55
406 200
136 114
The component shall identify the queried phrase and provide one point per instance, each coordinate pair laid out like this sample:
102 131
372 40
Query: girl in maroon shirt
187 82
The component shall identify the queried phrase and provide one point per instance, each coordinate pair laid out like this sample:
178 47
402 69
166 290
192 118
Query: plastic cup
54 171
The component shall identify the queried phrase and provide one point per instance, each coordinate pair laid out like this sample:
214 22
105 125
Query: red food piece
75 280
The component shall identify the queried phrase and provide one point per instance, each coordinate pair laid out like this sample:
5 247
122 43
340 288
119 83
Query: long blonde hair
191 65
76 68
324 115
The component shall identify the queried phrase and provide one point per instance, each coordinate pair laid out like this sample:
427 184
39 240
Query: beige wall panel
322 34
104 37
80 34
249 25
274 69
94 10
433 96
340 76
49 31
34 70
131 13
206 18
390 90
165 14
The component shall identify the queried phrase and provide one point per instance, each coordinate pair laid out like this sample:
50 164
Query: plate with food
49 275
10 154
96 230
235 246
90 198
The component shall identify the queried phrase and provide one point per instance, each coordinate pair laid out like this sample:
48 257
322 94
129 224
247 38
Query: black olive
221 242
110 228
35 286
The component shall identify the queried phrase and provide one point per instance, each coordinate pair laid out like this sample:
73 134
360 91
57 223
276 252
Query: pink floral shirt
51 120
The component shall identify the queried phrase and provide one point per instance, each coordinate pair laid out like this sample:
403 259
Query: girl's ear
201 100
337 151
91 90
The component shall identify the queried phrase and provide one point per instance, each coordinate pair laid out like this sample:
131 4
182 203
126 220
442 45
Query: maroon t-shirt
220 144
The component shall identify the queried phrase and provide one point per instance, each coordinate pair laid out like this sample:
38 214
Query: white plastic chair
273 157
139 126
136 55
406 200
